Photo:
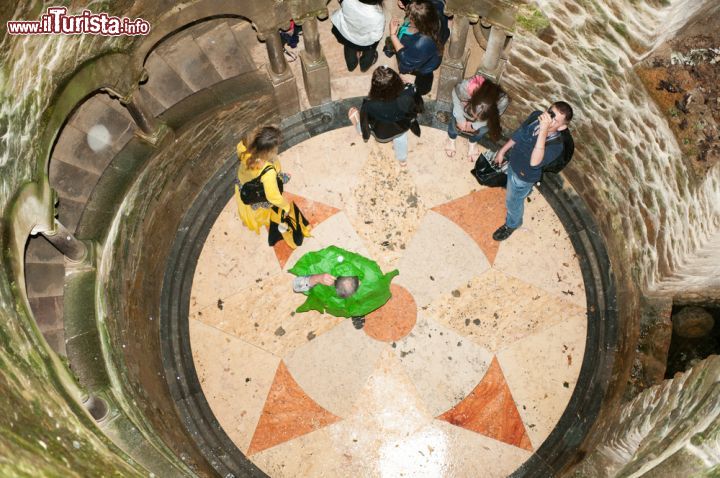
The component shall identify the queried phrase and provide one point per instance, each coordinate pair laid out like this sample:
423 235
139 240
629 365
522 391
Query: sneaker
289 56
358 322
502 233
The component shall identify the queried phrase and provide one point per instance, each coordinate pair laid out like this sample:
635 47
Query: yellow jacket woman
260 154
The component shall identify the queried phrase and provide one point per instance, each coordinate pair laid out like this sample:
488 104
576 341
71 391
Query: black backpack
253 191
567 154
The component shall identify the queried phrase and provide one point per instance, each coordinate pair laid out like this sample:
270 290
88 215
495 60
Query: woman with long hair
478 104
359 25
417 43
260 173
388 112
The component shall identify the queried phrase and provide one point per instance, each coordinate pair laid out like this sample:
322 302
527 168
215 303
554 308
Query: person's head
563 114
263 145
483 106
386 84
345 286
423 16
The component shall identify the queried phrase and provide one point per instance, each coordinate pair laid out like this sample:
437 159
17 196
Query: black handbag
488 173
253 192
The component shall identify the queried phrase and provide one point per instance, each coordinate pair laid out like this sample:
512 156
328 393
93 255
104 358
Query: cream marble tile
327 167
390 430
495 310
235 377
440 257
311 455
440 179
443 365
540 253
310 244
384 208
264 315
232 259
471 454
333 368
337 231
542 370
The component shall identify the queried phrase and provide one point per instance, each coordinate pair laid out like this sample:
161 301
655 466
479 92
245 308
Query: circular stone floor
464 372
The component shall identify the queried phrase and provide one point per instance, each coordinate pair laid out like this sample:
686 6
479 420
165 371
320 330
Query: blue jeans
473 138
400 143
517 191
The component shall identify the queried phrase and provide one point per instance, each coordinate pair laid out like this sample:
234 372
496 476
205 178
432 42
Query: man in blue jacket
534 145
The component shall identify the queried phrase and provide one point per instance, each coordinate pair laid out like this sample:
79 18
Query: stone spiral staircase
98 150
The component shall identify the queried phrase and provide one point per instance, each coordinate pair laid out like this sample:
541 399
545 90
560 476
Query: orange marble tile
315 212
282 252
479 214
395 319
490 410
288 413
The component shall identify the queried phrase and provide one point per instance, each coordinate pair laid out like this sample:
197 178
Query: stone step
245 35
164 86
114 104
44 280
40 251
229 57
91 151
189 61
95 133
70 212
71 181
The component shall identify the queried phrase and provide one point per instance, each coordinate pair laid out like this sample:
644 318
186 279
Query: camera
388 49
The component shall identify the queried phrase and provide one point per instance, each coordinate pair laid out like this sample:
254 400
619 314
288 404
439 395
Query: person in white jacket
359 26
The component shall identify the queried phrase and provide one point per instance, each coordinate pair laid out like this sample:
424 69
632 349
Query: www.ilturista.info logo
57 21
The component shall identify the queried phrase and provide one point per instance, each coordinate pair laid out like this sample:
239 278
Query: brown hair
264 143
565 109
483 106
425 18
386 84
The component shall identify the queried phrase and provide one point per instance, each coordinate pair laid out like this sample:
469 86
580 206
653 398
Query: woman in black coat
388 112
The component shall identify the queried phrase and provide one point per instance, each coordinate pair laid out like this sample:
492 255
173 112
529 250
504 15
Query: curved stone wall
651 210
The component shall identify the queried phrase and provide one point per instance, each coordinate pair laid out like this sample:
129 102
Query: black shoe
351 58
502 233
358 322
363 61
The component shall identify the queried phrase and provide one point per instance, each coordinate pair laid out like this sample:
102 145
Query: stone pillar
452 70
491 64
281 76
315 70
65 242
276 55
151 130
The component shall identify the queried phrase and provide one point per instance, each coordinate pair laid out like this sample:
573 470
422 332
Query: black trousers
423 83
368 53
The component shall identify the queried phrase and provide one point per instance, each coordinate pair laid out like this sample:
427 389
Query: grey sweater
460 96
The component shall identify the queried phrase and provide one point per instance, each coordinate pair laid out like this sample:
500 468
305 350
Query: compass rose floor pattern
464 372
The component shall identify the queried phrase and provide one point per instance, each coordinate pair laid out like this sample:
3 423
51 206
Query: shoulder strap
266 169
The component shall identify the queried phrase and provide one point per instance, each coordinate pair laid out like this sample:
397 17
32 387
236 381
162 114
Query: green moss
531 19
620 28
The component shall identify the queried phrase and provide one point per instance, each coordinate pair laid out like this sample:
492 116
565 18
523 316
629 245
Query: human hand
466 127
545 121
325 279
499 158
395 26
